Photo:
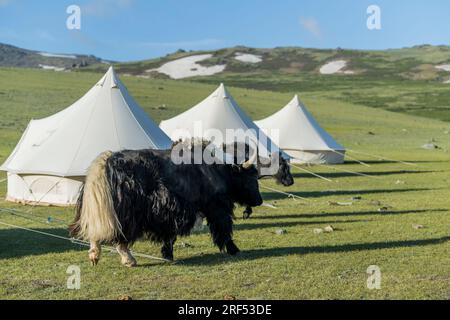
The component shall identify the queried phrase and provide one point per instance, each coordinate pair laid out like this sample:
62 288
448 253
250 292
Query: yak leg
247 212
127 258
167 249
95 252
220 223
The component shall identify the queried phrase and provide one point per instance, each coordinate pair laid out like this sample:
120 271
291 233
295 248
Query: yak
242 150
130 195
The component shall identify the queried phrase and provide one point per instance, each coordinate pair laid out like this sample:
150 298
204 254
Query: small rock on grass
430 146
318 231
342 204
375 203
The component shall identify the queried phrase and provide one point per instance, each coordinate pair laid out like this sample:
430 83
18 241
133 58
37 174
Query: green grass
296 265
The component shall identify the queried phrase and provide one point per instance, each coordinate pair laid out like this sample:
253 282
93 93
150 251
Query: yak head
244 180
283 175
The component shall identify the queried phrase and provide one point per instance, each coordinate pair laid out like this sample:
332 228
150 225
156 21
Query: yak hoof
247 213
232 249
94 262
94 257
129 263
168 257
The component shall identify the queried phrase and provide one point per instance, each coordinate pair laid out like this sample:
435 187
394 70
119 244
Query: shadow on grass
212 259
335 175
251 226
318 194
345 214
352 162
16 243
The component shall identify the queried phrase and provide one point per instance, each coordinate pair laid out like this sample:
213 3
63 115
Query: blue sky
125 30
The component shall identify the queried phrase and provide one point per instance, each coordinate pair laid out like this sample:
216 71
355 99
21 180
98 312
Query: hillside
411 80
11 56
425 62
417 63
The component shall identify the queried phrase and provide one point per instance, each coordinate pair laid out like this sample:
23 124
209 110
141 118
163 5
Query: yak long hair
129 195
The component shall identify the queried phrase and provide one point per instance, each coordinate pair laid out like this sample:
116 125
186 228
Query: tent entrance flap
43 190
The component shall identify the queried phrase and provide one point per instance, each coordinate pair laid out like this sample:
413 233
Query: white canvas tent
50 161
301 137
218 113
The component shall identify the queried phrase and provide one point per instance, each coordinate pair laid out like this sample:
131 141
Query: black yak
130 195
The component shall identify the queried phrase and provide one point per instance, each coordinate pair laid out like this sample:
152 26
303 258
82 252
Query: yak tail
96 219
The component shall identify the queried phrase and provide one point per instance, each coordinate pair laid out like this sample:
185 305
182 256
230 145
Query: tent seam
135 119
82 138
115 122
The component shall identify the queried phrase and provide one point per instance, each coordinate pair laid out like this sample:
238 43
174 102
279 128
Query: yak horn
250 162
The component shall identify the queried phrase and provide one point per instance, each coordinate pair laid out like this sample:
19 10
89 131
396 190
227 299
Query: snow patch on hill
45 67
334 67
443 67
53 55
188 67
248 58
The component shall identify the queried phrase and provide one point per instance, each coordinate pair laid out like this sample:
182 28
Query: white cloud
102 8
312 26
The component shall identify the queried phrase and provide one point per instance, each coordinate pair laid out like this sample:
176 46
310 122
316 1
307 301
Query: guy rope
72 240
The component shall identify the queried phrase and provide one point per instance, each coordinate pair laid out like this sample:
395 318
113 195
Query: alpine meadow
395 216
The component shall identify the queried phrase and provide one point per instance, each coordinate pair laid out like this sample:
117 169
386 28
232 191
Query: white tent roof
217 112
298 130
64 144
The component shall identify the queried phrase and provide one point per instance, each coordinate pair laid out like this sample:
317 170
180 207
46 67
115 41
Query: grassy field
299 264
